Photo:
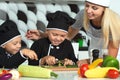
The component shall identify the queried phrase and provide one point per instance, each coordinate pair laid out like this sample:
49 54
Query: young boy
10 44
55 47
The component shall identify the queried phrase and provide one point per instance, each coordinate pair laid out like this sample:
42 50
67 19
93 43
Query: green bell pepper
110 61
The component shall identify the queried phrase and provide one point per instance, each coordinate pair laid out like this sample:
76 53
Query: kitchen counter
67 75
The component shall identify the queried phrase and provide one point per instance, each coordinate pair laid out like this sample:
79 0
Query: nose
58 38
89 10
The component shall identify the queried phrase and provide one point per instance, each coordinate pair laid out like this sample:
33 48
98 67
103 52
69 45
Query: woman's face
13 46
94 12
56 36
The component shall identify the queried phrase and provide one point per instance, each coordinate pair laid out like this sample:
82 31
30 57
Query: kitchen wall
115 6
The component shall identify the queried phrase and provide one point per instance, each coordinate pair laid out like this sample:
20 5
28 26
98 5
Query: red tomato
112 73
83 68
4 72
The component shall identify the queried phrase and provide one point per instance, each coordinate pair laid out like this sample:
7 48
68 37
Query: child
10 44
55 47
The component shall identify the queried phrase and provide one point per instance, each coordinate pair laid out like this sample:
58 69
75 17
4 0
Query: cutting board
63 68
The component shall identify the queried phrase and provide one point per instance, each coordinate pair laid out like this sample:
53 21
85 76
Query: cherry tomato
112 73
4 72
83 68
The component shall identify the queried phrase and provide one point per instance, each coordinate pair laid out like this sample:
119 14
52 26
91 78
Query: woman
101 25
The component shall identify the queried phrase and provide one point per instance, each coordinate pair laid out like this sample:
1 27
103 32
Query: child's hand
68 62
29 53
50 60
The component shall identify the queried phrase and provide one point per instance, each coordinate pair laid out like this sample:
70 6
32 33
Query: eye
63 35
15 43
94 8
54 34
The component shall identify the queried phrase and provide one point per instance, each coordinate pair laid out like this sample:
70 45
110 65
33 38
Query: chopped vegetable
71 66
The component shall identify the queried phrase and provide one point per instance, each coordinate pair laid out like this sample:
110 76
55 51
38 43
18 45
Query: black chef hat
8 31
59 20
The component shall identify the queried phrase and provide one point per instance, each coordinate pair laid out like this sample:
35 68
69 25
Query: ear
46 32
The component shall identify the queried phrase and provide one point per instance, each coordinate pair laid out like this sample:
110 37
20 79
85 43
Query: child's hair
8 31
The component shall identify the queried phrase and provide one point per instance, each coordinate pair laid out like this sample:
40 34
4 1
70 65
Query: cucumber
36 71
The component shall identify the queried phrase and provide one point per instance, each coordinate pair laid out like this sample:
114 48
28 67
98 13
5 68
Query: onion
6 76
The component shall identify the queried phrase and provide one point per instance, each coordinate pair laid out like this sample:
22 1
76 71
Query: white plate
12 16
22 26
66 8
58 7
41 7
31 16
42 17
4 6
50 8
22 7
31 25
12 6
73 14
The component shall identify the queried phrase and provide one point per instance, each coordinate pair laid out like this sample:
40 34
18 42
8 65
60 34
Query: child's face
56 36
13 46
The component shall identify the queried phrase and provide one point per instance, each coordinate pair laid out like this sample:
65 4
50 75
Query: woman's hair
110 26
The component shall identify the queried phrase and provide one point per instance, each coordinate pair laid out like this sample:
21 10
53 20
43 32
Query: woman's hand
33 34
29 53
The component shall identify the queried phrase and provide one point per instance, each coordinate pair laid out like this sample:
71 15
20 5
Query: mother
102 25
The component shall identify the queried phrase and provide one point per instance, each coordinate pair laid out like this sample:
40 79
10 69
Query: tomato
3 72
112 73
83 68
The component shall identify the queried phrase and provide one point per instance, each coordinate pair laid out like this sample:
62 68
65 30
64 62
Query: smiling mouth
90 15
16 50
